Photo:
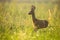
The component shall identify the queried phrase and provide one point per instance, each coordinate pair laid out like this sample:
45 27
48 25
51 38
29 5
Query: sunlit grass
16 24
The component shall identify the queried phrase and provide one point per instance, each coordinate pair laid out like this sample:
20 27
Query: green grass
16 24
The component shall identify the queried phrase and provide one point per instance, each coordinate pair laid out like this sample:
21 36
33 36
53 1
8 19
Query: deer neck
33 17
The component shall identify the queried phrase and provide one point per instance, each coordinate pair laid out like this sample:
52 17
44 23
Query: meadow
16 24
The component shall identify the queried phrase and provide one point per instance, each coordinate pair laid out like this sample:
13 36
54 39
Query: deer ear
33 6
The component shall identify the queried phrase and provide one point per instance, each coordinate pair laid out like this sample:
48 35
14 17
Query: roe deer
37 23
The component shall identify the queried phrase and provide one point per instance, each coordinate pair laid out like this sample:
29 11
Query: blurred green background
16 24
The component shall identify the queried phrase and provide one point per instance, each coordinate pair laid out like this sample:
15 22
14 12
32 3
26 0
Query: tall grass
16 24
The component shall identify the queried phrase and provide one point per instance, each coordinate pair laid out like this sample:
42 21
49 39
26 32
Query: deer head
32 9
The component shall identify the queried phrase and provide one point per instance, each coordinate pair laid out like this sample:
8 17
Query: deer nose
29 13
